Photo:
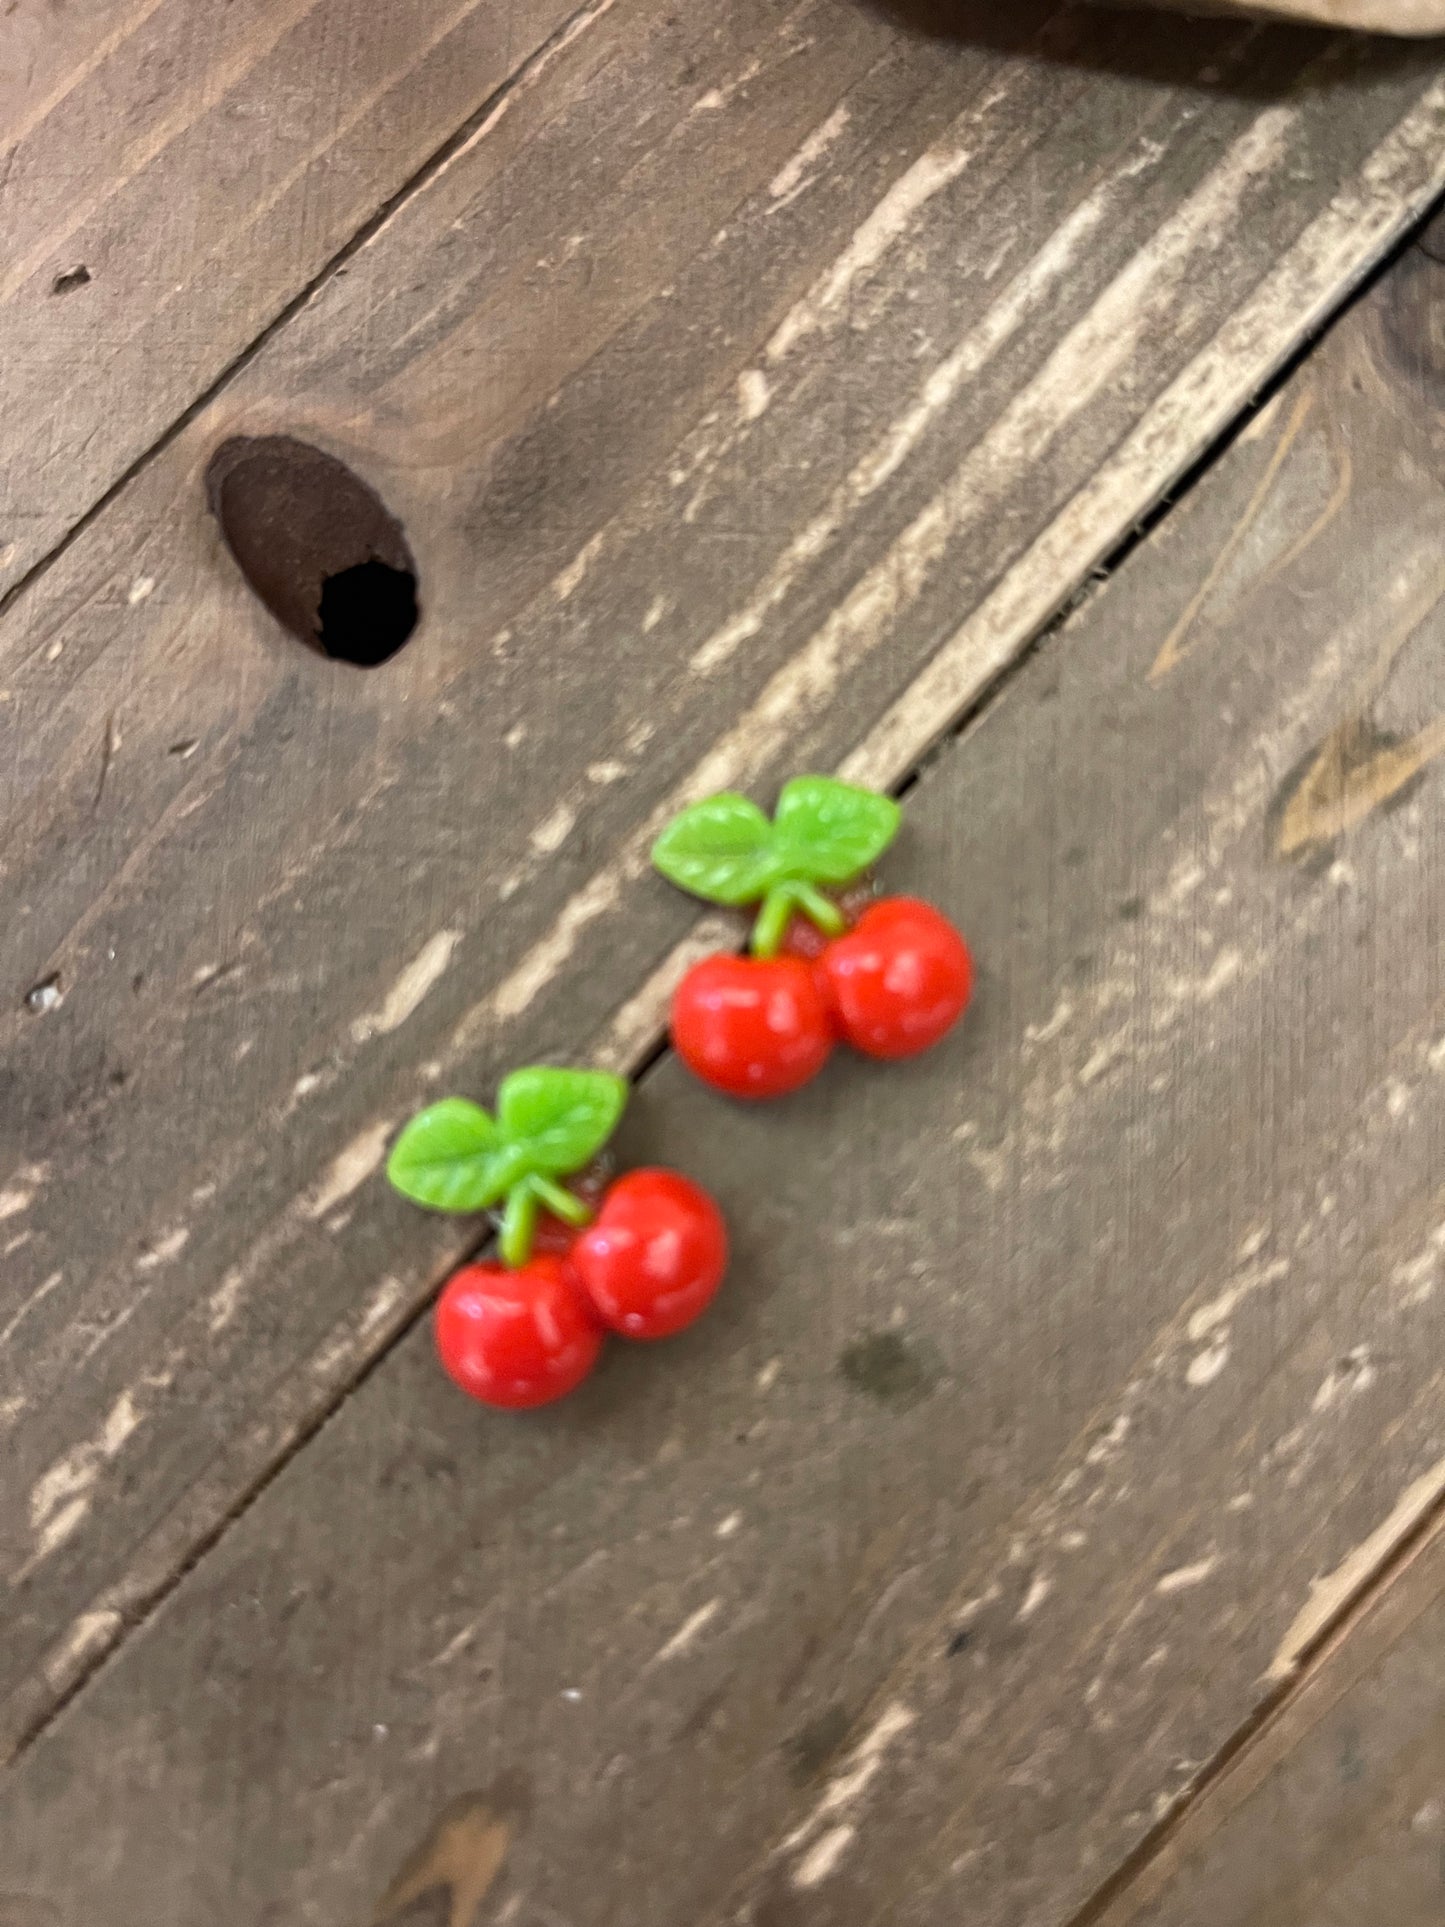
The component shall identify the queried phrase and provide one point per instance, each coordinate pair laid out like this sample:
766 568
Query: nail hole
72 279
317 545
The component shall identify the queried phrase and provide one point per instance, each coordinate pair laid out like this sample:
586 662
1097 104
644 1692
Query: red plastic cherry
653 1258
752 1027
899 979
516 1338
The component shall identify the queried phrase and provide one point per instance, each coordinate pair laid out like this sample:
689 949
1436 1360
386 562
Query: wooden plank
173 1007
1069 1381
180 1307
172 176
1268 1010
1333 1814
726 480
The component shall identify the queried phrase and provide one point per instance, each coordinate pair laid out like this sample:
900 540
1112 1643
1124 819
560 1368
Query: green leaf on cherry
447 1157
726 851
454 1156
559 1120
830 832
721 850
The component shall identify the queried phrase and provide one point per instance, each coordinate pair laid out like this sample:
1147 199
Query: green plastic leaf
448 1157
830 832
825 832
556 1121
721 849
454 1157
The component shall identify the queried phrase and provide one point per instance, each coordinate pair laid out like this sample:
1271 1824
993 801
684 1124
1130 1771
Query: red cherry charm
655 1255
750 1026
516 1338
899 979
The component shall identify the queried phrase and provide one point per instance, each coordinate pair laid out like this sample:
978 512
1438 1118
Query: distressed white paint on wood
1004 1569
439 783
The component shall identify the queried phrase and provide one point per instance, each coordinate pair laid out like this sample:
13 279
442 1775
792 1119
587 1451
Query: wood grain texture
1270 1166
698 494
1069 1382
1333 1815
171 176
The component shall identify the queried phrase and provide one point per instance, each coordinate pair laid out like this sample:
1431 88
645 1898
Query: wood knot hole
318 547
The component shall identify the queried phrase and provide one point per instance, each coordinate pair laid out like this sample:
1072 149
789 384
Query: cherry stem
525 1201
562 1203
781 904
519 1225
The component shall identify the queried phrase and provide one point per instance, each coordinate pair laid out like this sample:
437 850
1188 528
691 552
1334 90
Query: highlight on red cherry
652 1259
889 976
899 980
643 1255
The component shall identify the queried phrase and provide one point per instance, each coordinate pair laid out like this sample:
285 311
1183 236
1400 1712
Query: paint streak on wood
405 995
1336 1590
1153 454
1356 772
821 1840
461 1857
349 1169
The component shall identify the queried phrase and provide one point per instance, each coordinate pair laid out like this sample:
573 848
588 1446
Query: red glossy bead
516 1338
653 1258
750 1027
899 979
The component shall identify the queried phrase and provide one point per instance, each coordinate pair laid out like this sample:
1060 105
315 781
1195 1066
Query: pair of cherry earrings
643 1254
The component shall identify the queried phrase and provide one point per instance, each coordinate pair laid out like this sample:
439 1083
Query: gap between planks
1255 1733
477 125
1213 398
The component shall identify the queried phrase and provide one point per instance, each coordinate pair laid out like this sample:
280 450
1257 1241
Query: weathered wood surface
744 384
1249 1230
171 176
1070 1382
1374 16
1334 1815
